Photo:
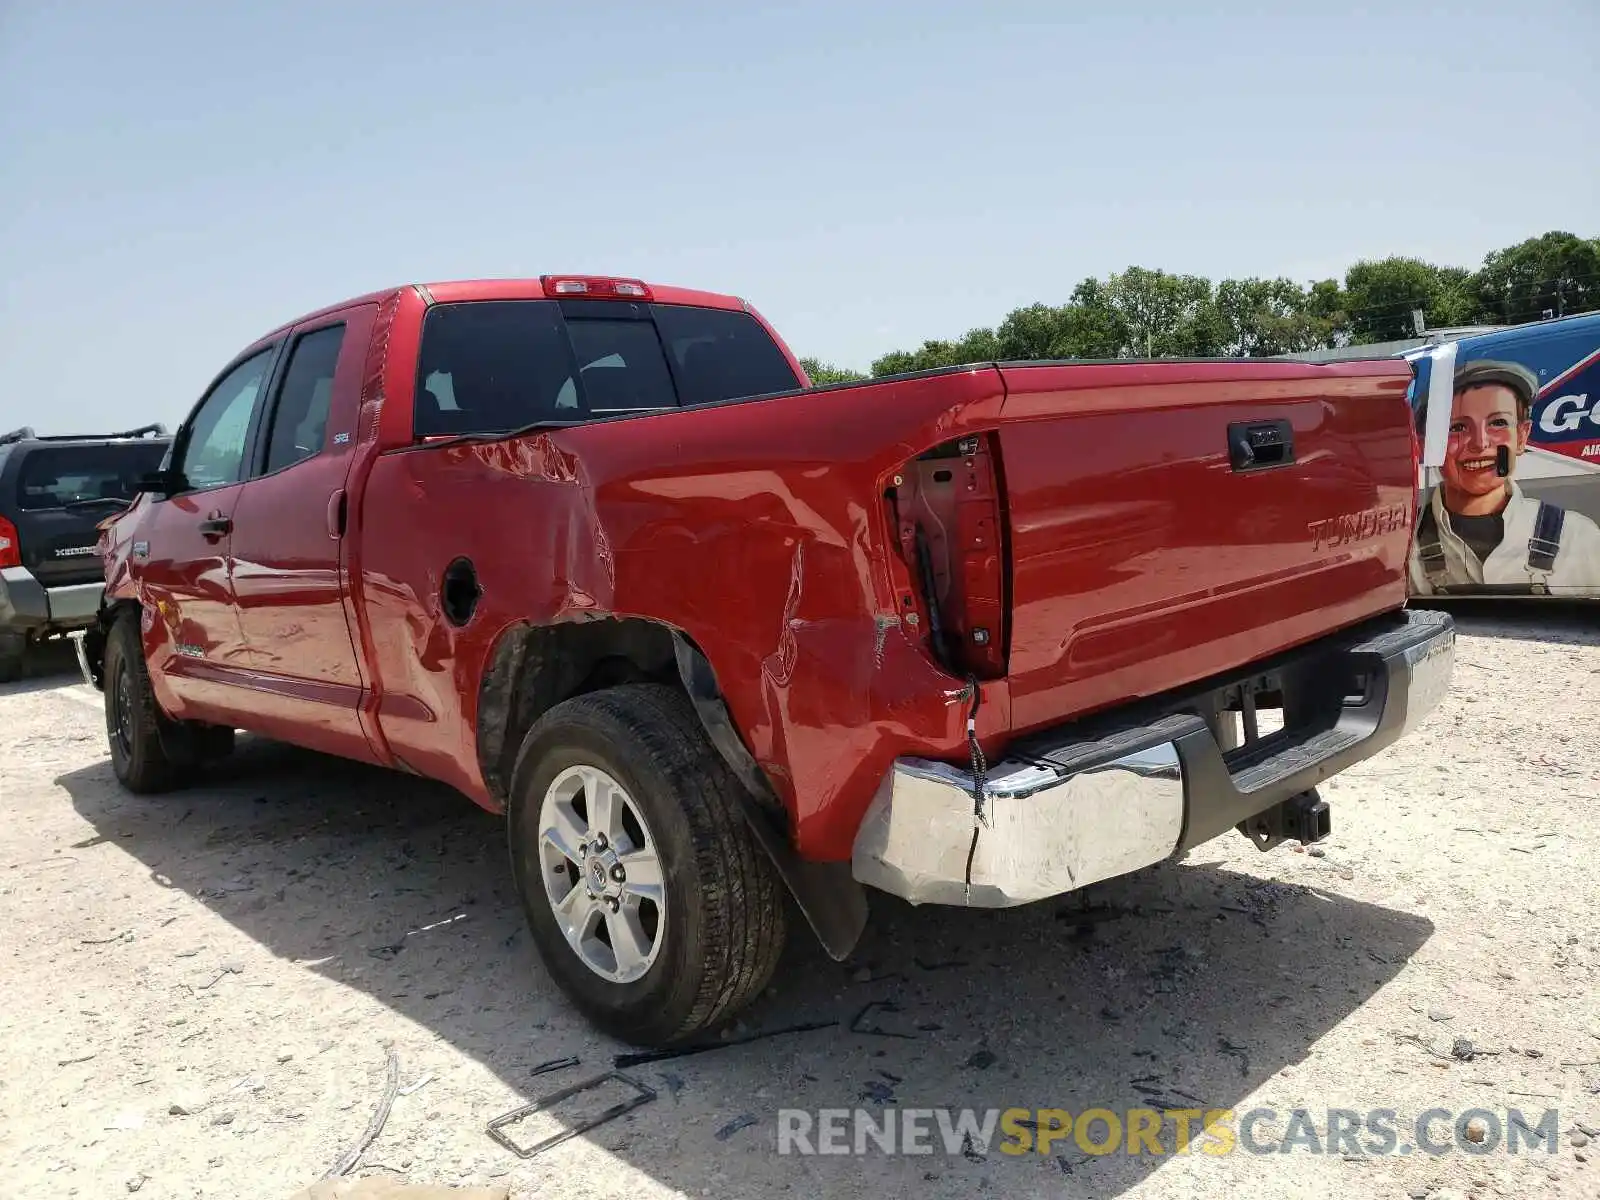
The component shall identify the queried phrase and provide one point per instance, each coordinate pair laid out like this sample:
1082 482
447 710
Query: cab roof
524 288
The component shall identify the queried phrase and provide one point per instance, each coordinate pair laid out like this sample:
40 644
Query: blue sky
177 179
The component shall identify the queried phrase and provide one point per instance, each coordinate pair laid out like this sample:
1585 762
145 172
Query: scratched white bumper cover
1074 811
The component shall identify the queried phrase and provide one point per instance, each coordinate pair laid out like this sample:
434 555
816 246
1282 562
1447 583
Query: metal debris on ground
1227 1047
650 1056
555 1064
227 969
858 1022
643 1096
1420 1042
374 1127
417 1086
734 1126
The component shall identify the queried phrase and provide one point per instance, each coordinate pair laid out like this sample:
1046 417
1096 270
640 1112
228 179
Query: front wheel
150 752
140 757
649 900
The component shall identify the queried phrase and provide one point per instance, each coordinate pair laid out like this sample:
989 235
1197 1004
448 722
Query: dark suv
54 492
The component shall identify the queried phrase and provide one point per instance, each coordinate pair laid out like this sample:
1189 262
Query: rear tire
677 966
142 738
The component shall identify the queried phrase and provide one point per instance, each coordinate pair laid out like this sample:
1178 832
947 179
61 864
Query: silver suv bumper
1077 805
25 603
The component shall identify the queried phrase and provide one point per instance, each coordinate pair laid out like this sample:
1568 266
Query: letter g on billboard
1565 414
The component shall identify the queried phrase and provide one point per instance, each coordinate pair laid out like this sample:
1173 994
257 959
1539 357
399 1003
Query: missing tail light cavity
946 506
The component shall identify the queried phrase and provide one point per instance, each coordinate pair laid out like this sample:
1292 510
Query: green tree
978 345
820 372
1381 296
1090 324
1456 302
1556 274
1264 317
1142 312
1164 314
1029 333
1327 321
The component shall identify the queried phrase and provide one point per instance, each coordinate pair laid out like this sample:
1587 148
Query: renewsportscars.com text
1147 1131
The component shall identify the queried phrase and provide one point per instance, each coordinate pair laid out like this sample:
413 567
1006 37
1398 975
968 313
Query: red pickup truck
596 554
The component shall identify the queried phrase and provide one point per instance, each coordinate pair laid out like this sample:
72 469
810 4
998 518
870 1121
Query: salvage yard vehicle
597 555
54 490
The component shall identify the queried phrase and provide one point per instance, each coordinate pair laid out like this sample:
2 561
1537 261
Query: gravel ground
202 991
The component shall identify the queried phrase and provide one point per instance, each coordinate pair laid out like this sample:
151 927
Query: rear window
493 366
721 355
53 476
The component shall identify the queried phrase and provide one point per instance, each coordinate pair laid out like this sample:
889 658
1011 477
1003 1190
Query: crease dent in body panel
537 457
779 665
586 586
745 485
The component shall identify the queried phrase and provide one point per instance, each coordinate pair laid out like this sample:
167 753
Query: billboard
1510 428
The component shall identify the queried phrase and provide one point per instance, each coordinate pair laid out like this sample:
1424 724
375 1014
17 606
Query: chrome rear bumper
1075 806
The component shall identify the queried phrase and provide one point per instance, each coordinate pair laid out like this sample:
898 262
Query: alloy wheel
602 874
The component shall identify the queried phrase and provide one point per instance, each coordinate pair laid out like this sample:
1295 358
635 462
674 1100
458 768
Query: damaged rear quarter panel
754 528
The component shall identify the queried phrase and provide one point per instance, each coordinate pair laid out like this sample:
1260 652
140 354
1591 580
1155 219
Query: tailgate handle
1258 445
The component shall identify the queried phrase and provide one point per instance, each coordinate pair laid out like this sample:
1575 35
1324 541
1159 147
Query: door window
300 417
214 451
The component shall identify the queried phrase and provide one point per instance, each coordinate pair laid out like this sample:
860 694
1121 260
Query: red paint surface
289 582
1136 560
1141 561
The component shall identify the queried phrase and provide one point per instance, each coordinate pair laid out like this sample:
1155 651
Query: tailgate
1171 521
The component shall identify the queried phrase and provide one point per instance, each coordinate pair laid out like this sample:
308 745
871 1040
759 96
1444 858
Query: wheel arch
534 667
91 644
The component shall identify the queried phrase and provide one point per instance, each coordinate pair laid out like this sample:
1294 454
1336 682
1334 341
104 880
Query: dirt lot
201 991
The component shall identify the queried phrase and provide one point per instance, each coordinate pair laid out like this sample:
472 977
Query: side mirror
163 483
